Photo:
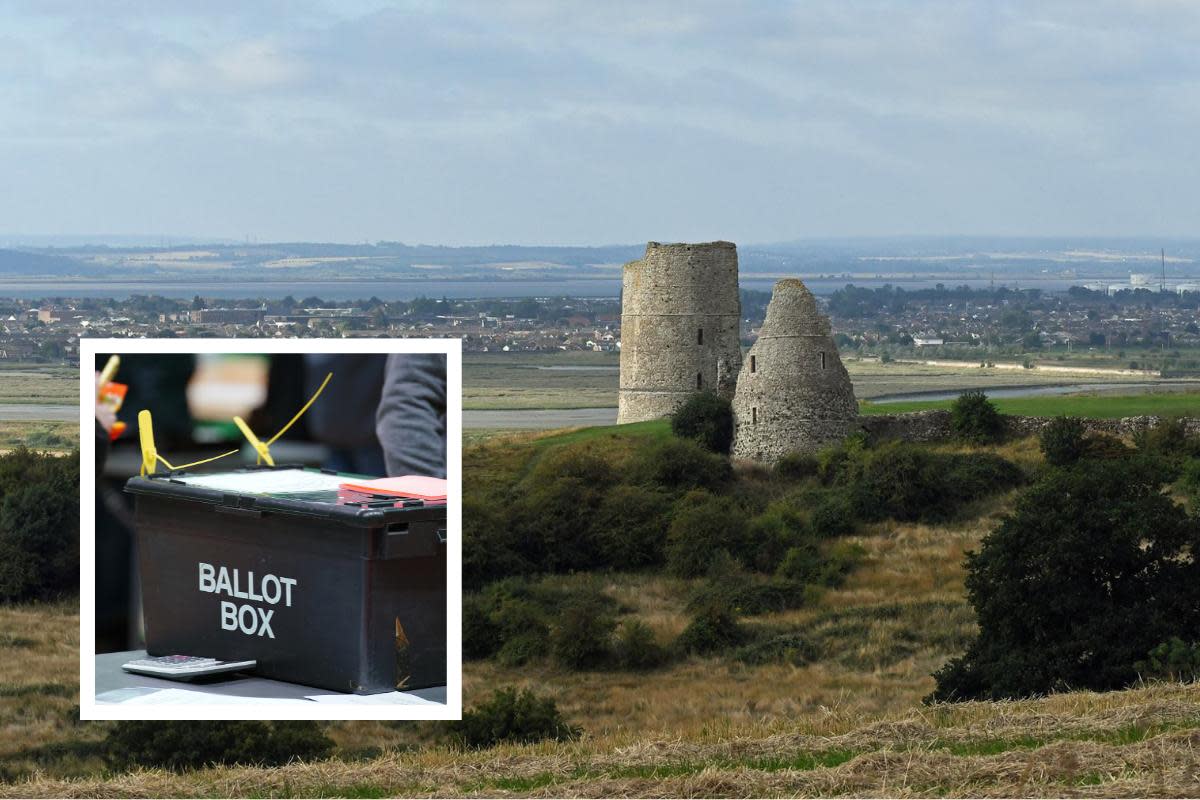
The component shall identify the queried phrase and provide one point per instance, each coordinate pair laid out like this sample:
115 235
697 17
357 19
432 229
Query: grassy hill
844 719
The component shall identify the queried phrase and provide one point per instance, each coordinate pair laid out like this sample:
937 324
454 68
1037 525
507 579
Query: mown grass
39 384
39 435
1092 406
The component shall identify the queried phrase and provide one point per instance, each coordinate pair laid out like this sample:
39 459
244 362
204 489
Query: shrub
1092 570
703 526
480 635
523 630
729 587
1189 482
833 515
582 635
39 526
786 648
707 418
180 745
1062 441
797 466
1169 437
974 417
637 648
512 716
680 464
631 527
908 482
1173 660
770 534
712 630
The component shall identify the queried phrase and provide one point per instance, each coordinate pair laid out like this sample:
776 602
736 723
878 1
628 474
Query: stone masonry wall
934 425
680 327
793 394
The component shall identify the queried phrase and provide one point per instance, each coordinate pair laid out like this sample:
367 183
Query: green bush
785 648
797 466
680 465
582 634
770 534
1062 441
480 635
637 648
913 483
712 630
512 716
728 586
1093 569
707 418
1169 438
39 525
974 418
181 745
833 514
1174 660
703 526
631 527
1189 482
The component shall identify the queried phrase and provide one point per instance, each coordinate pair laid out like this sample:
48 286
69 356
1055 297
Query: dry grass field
850 722
39 384
512 381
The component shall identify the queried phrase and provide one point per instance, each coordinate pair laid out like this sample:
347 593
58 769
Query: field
515 381
1096 406
34 383
849 722
53 436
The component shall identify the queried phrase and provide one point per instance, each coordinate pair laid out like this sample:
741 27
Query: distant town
1135 325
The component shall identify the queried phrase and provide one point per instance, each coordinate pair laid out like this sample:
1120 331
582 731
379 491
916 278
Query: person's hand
105 414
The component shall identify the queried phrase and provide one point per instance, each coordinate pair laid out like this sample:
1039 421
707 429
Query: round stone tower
680 317
793 394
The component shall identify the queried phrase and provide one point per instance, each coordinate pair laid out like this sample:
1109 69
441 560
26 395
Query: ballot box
342 591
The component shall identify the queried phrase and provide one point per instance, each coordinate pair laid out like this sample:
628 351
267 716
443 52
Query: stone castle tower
793 394
680 327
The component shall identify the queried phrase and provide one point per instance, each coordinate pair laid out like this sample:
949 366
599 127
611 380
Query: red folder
419 487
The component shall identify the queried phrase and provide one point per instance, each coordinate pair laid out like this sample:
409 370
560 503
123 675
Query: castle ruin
794 394
680 333
680 327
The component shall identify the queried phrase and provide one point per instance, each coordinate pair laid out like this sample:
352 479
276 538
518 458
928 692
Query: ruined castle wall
934 426
793 393
680 327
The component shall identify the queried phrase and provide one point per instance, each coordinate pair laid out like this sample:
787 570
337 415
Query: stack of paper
418 487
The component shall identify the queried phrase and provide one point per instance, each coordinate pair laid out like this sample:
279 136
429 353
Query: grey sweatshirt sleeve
411 420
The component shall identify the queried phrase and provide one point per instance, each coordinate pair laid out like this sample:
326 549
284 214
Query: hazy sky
598 122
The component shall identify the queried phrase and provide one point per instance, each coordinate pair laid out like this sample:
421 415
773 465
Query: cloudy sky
534 121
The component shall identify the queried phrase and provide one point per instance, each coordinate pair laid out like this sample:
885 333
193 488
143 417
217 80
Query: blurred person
411 418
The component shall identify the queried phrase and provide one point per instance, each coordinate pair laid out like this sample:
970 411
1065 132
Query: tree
180 745
39 529
974 417
1062 441
706 418
1094 569
511 716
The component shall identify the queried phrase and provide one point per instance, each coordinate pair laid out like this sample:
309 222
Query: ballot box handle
414 540
238 505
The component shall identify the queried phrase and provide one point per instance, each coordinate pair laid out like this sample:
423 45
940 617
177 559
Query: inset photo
270 529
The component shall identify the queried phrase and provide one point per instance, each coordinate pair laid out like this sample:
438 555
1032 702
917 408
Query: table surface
109 676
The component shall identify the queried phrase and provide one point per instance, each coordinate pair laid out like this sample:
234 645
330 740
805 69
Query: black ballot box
339 591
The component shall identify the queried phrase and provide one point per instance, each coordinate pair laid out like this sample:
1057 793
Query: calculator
183 668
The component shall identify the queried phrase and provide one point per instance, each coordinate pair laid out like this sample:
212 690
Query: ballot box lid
285 489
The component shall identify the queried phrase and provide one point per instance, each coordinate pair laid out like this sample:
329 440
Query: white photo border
89 709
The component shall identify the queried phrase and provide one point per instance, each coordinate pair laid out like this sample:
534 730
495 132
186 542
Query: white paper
150 696
284 481
384 699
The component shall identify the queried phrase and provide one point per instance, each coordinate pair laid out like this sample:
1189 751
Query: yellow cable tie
300 413
264 453
203 460
150 456
108 373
